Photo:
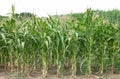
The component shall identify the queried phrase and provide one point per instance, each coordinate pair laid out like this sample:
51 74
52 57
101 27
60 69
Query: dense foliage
87 44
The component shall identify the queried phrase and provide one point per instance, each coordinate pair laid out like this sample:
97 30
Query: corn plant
85 44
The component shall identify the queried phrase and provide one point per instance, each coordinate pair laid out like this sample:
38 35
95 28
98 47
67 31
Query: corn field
87 45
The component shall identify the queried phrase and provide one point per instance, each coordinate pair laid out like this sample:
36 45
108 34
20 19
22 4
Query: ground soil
8 75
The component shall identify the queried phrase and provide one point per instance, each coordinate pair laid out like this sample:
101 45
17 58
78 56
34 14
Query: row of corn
87 45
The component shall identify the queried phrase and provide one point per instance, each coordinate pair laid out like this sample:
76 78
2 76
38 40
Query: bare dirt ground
65 77
8 75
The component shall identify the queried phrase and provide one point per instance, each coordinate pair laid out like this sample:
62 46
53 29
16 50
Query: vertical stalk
5 61
11 62
58 63
112 58
102 65
74 66
112 65
44 62
90 57
102 58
